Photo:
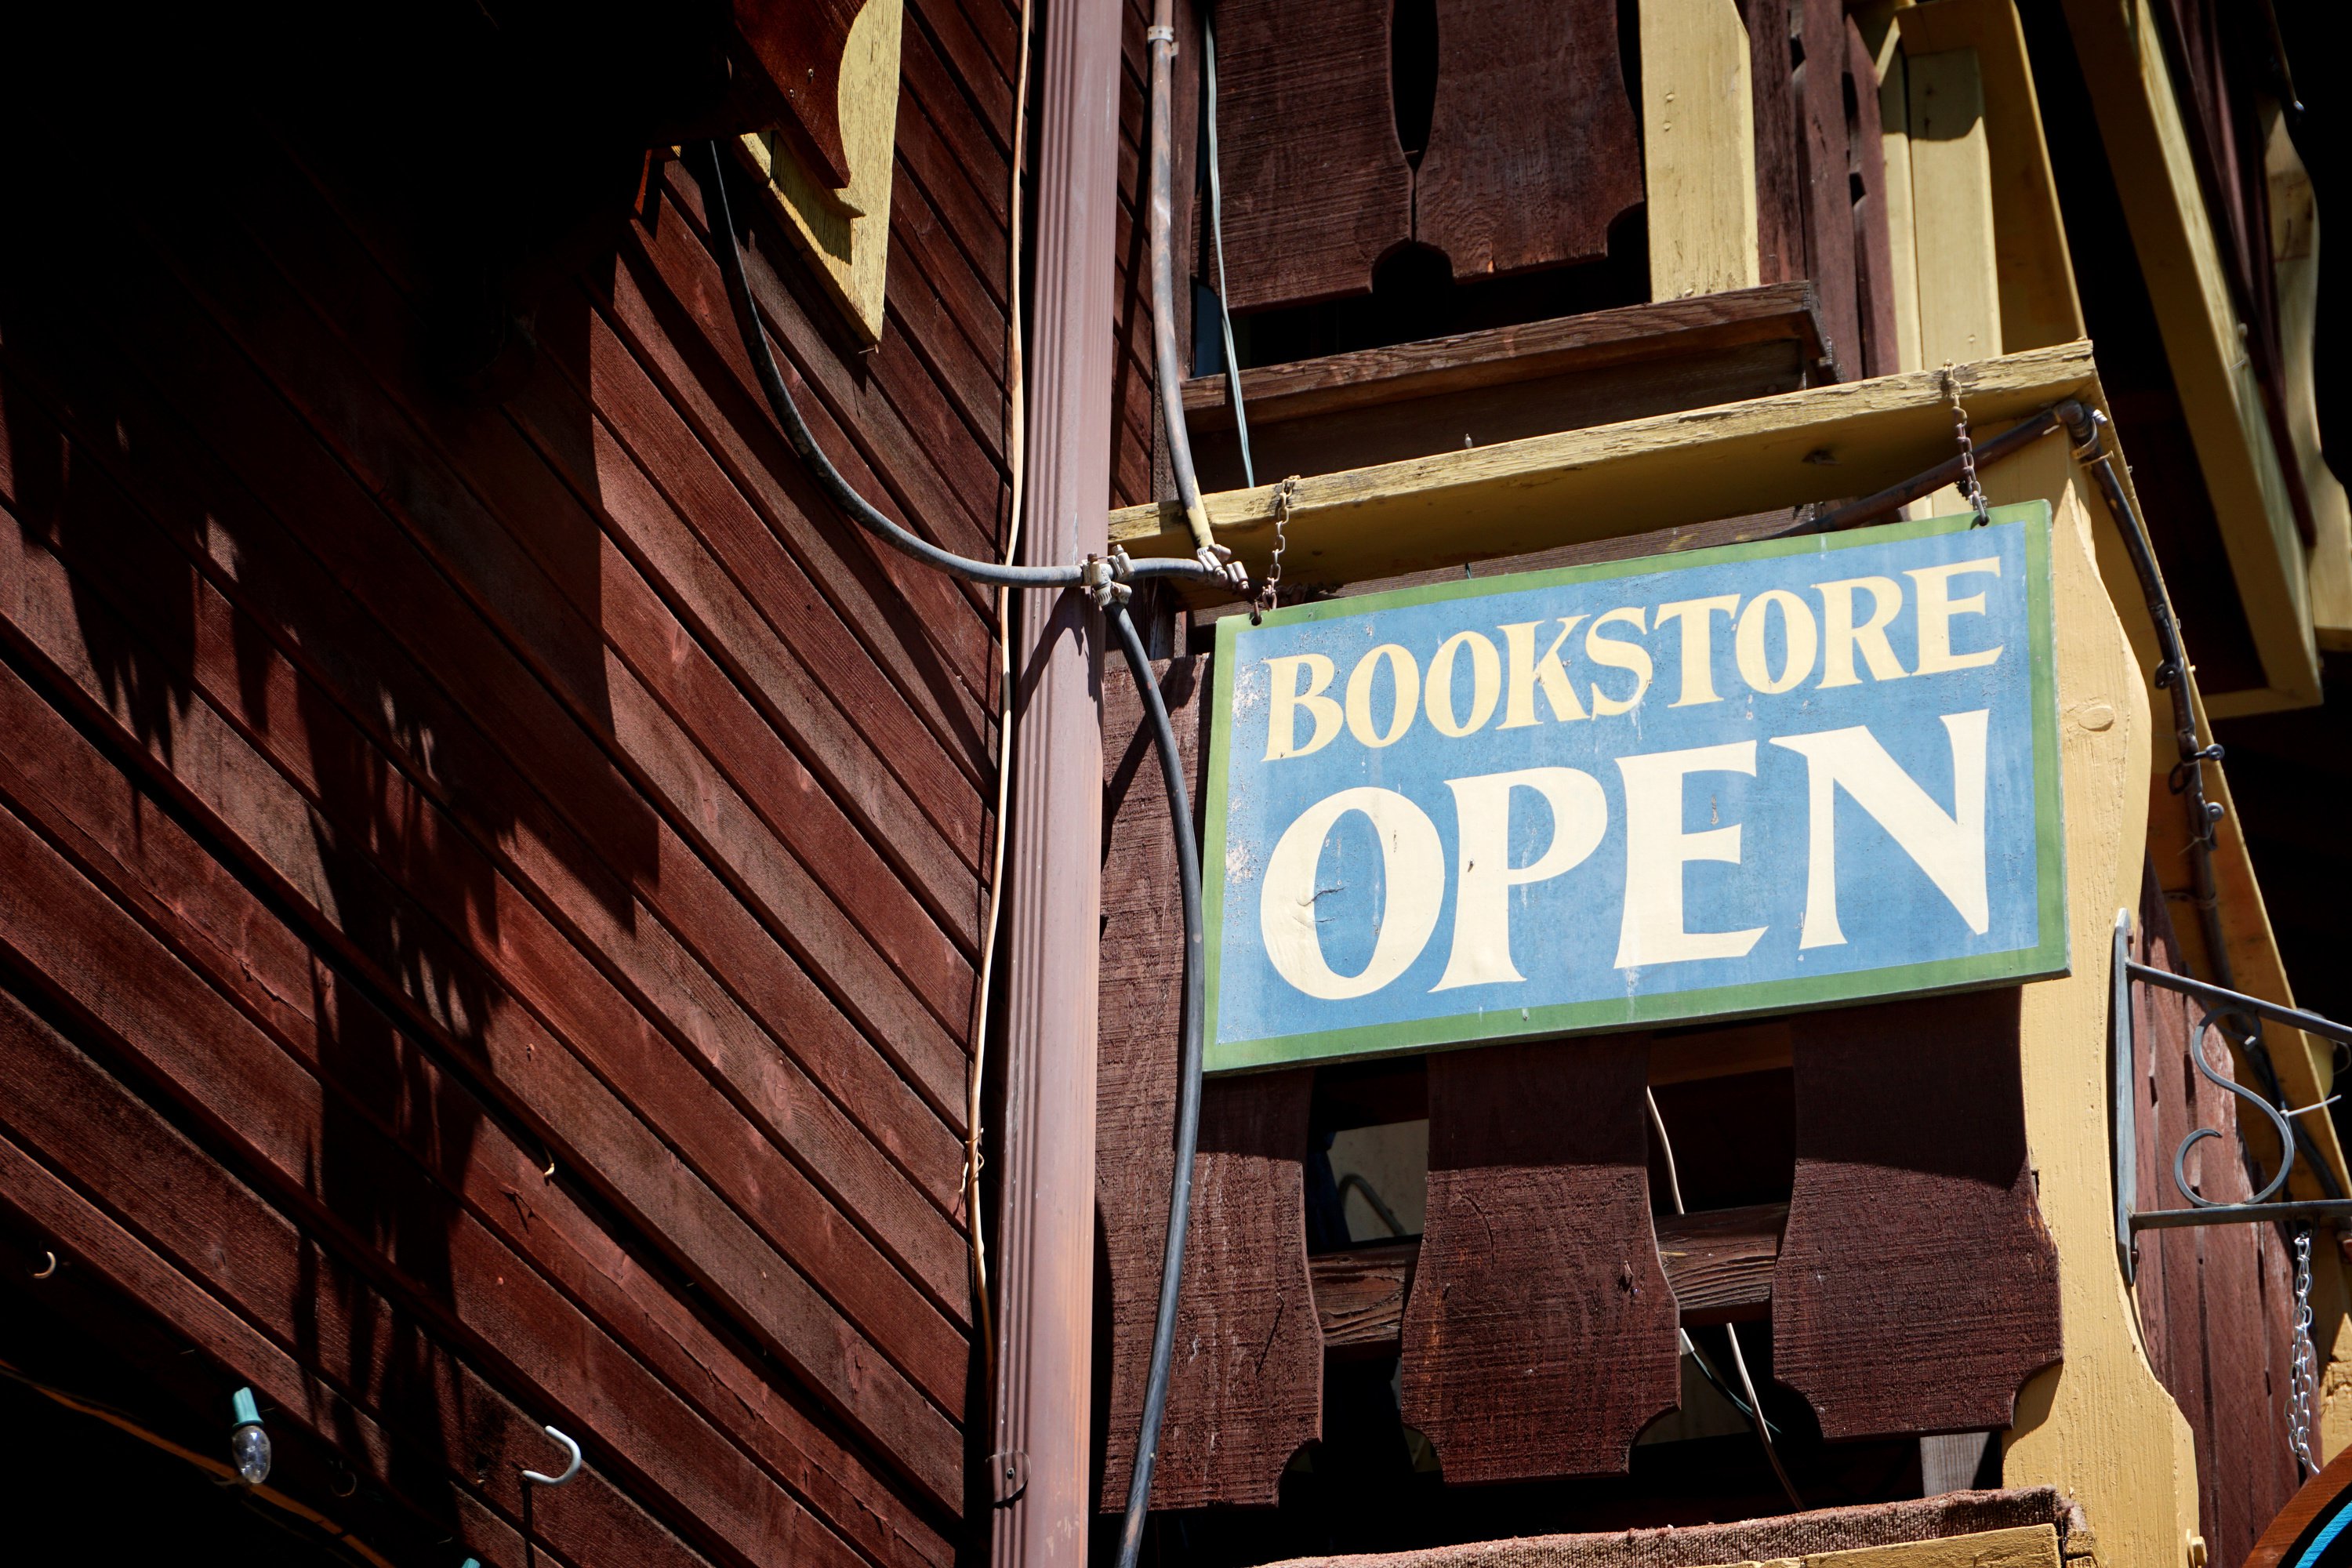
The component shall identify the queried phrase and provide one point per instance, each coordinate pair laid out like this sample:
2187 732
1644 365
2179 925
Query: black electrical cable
829 477
2086 427
1188 1085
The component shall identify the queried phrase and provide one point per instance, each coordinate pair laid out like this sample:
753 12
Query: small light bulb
249 1444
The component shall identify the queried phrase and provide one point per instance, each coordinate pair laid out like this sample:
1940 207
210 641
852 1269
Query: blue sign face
1750 779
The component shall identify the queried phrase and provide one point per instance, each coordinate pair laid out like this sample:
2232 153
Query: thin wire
1016 420
218 1468
1217 234
1754 1409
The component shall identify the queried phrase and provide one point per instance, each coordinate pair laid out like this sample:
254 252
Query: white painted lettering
1657 848
1950 848
1482 909
1413 870
1283 700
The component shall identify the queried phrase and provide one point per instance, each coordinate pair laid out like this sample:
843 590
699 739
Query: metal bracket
1008 1475
2219 1002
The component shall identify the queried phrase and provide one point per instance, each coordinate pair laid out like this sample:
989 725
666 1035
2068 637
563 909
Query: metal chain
1969 486
2303 1375
1286 495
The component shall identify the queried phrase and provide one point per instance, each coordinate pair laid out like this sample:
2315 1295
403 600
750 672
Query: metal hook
570 1469
47 1269
2279 1122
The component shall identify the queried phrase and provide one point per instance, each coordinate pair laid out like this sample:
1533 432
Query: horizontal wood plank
1821 444
216 775
63 1110
1719 1263
1781 312
380 1075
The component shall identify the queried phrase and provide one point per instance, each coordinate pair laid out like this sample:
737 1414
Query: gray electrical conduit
1162 242
839 489
1112 596
1187 1081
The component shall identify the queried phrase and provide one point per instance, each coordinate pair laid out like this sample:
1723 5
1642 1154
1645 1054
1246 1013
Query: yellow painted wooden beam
1958 277
2146 147
1821 444
2036 275
2100 1425
1698 147
2294 253
1895 147
846 232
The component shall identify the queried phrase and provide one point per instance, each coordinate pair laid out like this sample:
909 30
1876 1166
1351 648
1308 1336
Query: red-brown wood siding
2215 1301
404 798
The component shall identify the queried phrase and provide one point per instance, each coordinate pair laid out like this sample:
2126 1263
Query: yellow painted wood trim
2295 257
1959 278
1698 151
847 232
2146 147
1819 443
1902 239
2039 305
2099 1427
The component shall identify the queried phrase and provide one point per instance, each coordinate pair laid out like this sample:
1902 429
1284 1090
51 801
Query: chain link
1286 495
2303 1375
1970 488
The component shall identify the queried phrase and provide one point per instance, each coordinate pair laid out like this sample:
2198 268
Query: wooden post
1038 1472
1951 197
1698 147
2099 1427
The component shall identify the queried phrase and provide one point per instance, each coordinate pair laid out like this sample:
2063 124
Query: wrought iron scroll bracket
2219 1002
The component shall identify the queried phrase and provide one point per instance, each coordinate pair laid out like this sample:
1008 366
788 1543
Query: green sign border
2046 960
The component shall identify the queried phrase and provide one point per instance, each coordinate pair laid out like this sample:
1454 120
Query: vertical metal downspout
1055 895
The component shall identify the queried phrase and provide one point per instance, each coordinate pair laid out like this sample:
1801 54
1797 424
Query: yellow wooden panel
1698 154
2027 1546
2037 303
2294 253
2099 1427
1951 207
1902 244
847 232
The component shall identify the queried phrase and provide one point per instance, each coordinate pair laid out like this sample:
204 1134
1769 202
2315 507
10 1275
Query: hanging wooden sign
1743 780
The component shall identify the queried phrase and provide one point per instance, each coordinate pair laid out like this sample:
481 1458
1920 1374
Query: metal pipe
1874 508
1162 241
2314 1210
1053 892
2224 1001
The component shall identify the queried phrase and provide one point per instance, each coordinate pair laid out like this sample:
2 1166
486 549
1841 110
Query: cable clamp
1161 35
1100 576
2091 447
